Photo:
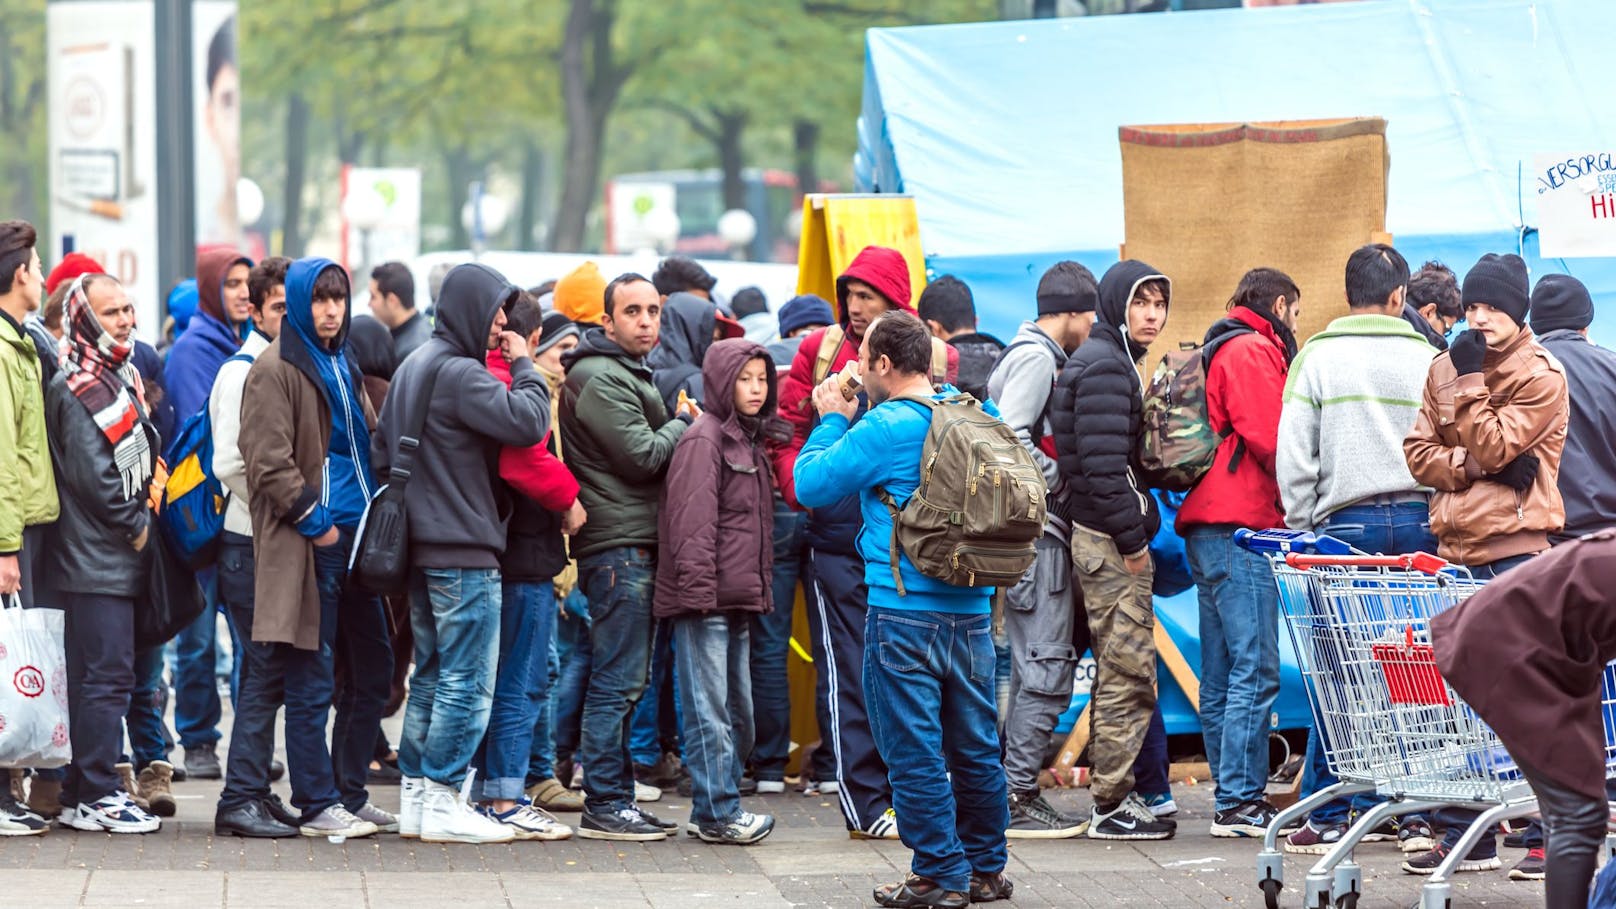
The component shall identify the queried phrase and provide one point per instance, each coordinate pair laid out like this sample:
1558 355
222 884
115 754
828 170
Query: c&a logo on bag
29 682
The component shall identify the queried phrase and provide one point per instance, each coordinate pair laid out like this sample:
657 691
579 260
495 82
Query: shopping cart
1387 721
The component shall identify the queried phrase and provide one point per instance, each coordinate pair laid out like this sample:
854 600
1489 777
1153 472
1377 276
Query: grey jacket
1020 385
1588 464
458 509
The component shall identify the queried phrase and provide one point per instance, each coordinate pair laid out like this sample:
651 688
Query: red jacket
887 271
534 472
1245 388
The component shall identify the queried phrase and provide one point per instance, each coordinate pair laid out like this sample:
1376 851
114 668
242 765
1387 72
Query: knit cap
1500 282
581 295
1561 301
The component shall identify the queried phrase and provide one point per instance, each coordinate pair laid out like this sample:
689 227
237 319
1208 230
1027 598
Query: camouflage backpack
1177 444
979 509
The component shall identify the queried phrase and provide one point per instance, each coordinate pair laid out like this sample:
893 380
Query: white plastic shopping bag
33 687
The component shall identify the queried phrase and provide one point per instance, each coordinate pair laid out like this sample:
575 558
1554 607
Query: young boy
714 569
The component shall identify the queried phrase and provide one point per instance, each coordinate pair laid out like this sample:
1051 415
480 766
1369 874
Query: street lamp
662 226
483 216
737 228
249 201
365 209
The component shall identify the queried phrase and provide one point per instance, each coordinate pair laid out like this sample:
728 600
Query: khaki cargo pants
1122 623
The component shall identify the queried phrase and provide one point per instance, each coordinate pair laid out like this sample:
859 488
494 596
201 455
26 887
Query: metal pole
176 186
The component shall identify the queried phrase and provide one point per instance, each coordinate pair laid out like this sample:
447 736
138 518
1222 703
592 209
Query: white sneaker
770 787
339 823
829 787
446 817
116 813
884 827
530 823
644 793
409 807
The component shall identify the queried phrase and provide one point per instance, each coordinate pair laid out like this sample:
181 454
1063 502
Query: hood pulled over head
472 294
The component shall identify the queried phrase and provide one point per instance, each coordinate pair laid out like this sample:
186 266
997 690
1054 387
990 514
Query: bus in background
697 197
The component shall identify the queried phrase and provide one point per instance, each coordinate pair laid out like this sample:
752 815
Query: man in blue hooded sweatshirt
305 436
222 319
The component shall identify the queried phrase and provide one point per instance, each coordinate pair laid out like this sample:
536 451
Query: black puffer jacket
978 354
91 551
1096 413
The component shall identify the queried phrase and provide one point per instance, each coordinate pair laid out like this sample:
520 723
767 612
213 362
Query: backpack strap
414 424
939 362
830 343
891 503
1208 351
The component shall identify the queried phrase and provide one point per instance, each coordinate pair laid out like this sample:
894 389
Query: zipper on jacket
347 423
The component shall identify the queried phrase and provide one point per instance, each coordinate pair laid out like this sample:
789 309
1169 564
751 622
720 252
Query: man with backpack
1098 414
875 283
1245 381
1350 398
949 310
1042 610
304 436
929 669
246 806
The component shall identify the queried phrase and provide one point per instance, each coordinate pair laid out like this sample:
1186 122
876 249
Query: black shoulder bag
381 555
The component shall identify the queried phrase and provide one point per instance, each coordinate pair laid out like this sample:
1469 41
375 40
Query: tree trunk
297 154
731 156
805 136
527 221
591 83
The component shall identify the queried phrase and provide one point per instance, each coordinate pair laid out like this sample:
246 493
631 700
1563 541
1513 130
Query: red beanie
72 266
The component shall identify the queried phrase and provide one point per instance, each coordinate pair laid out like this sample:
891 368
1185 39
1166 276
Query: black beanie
1500 282
1561 301
1067 287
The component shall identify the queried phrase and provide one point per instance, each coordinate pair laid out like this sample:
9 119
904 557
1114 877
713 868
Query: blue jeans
526 625
929 687
541 758
655 727
618 583
455 616
1390 529
197 710
149 739
567 697
716 694
771 643
1239 660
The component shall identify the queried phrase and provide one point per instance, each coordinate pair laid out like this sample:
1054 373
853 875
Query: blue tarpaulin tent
1006 135
1006 132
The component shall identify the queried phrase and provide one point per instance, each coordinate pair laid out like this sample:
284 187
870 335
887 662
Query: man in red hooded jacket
876 282
1245 383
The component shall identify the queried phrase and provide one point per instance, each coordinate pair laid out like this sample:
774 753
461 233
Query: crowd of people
615 489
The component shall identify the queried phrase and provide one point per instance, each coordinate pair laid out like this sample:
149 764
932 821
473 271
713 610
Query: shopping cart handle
1419 561
1281 540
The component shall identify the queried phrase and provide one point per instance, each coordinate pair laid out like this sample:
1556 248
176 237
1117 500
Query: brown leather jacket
1474 425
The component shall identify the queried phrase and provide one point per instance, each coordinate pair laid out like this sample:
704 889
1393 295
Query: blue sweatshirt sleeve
838 461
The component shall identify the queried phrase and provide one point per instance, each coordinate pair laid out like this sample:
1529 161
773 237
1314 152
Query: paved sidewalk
808 861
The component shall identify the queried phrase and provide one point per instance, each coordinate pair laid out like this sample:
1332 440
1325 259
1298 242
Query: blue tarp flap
1006 132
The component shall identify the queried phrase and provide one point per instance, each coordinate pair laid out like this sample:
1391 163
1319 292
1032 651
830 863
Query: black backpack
381 556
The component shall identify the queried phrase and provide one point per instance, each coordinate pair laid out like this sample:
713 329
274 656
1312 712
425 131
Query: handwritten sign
1576 204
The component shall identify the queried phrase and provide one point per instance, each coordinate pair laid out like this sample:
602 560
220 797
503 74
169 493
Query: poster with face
216 118
103 144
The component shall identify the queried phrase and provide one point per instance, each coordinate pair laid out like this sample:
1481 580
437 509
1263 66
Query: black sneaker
202 763
624 824
1129 820
742 830
655 821
1484 857
1250 819
1033 818
17 820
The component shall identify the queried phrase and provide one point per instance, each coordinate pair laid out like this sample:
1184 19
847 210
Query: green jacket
27 485
619 442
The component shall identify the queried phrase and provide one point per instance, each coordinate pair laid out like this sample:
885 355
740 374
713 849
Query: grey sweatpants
1038 618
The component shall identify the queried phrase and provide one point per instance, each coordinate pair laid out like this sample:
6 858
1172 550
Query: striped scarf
101 376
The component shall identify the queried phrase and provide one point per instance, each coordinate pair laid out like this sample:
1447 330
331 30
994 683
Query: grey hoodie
457 510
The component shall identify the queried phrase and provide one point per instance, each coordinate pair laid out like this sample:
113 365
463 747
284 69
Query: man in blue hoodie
222 319
929 664
305 437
